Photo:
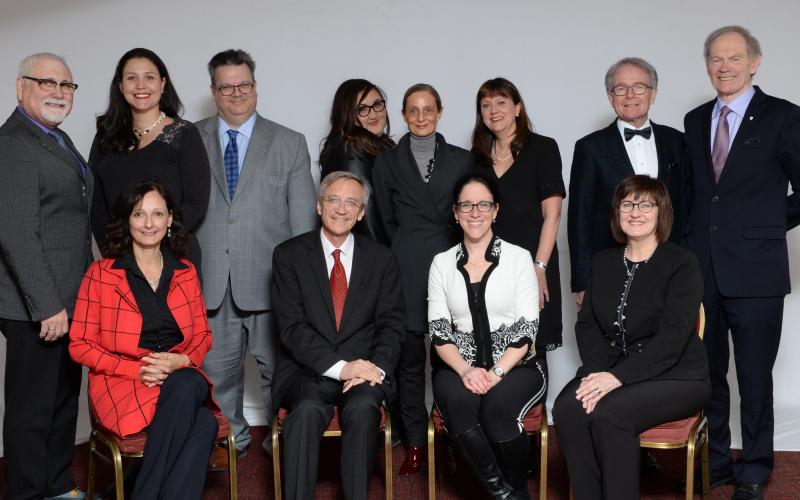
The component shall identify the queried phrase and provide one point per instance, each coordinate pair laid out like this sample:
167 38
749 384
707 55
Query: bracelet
539 263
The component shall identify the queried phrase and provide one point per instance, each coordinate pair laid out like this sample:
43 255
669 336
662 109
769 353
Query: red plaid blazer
104 336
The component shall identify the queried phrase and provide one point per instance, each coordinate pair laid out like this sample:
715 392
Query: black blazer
350 161
373 321
663 303
738 226
45 243
599 163
418 217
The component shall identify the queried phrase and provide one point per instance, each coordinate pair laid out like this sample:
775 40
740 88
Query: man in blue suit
744 149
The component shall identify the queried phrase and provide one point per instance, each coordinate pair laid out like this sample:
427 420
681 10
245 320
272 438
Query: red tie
338 287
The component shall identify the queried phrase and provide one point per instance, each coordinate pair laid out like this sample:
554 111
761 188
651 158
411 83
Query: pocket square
753 140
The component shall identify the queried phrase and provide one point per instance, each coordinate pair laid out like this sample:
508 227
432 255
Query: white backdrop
556 52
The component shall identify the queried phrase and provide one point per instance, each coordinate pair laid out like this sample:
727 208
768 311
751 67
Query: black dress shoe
748 491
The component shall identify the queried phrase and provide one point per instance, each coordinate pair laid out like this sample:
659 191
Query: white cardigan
510 295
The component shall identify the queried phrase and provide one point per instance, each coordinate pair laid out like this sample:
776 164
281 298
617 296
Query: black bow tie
629 133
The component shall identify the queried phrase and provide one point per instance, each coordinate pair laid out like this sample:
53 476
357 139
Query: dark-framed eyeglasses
349 203
228 90
644 206
377 106
638 89
466 207
49 85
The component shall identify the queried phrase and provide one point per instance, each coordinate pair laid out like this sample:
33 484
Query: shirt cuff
335 371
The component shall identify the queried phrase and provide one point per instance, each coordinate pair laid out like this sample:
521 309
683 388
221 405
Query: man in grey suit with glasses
262 194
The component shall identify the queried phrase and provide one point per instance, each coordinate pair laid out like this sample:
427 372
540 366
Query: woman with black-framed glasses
359 132
142 137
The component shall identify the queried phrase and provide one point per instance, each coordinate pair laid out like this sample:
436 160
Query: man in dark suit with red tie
338 302
744 150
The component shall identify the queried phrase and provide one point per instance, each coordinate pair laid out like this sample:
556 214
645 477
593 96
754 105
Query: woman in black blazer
643 363
413 186
359 131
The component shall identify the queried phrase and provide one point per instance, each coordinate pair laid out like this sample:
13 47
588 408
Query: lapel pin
751 117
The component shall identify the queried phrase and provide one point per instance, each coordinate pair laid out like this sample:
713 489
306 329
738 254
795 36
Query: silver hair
26 64
753 47
343 174
632 61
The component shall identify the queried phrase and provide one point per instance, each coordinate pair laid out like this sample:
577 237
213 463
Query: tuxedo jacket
274 200
599 163
737 227
105 334
372 325
45 242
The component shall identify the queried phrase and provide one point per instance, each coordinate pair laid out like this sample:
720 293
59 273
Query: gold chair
332 430
535 421
133 447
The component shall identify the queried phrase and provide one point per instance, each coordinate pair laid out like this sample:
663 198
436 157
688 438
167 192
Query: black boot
513 457
476 451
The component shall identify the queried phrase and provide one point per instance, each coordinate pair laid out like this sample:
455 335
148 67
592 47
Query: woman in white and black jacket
483 311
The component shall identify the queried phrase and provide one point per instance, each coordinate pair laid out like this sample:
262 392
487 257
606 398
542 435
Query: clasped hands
360 371
594 387
157 366
479 380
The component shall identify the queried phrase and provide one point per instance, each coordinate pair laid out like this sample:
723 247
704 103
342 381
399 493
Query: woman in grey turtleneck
413 186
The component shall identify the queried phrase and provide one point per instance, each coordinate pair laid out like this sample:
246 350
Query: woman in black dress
141 137
359 131
527 167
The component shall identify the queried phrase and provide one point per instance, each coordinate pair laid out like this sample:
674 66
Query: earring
517 115
494 220
169 231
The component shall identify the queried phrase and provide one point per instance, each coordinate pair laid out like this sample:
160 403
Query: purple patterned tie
719 153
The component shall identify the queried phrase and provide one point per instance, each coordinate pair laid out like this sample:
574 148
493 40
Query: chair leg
232 468
119 476
690 467
543 431
276 458
387 451
431 460
704 462
90 473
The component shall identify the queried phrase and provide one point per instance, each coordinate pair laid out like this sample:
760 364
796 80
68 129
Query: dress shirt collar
246 129
738 105
622 125
42 127
346 248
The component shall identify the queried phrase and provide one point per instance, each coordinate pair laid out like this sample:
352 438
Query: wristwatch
498 371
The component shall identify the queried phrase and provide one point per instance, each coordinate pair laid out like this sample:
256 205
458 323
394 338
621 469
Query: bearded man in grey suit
262 194
45 247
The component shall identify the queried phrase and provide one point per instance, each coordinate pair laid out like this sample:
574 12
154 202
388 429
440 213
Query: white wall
556 52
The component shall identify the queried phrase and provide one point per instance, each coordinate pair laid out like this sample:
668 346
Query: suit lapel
620 159
357 275
316 261
746 129
48 143
123 288
409 174
215 155
665 163
256 153
705 131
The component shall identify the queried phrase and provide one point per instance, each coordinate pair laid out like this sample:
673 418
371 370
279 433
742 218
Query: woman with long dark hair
142 137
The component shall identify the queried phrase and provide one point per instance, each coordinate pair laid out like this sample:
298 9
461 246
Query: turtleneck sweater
423 149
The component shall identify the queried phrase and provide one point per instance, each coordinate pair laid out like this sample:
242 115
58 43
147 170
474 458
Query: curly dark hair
118 231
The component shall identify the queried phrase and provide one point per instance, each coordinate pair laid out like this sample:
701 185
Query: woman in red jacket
140 326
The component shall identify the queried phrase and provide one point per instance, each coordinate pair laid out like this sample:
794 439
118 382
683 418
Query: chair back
700 322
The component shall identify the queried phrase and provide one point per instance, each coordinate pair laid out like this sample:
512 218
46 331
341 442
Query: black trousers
411 389
179 440
602 448
310 403
499 412
42 385
755 327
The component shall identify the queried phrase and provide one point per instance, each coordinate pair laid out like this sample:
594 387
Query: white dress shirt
642 152
738 109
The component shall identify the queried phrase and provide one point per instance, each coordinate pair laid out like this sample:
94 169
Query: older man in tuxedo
45 247
744 150
631 144
339 305
262 194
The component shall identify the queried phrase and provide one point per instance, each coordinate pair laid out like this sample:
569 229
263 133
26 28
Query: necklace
143 132
497 158
627 252
153 282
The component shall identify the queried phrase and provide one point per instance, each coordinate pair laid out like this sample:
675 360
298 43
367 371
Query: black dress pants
755 327
602 448
411 389
42 385
179 440
310 404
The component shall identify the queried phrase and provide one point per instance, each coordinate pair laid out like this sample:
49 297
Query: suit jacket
372 325
417 216
105 337
45 242
275 199
599 163
738 226
662 306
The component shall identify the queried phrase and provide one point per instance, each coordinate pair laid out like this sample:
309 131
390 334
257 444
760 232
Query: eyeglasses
638 89
228 90
377 106
49 85
644 206
466 207
349 203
